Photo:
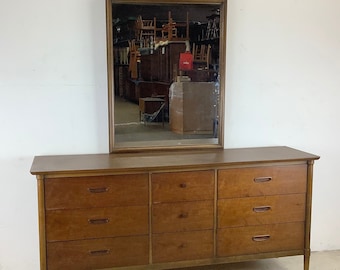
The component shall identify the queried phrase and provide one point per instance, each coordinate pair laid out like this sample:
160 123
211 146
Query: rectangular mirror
166 74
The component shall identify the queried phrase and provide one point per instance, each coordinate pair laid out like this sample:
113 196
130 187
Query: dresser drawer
96 191
261 210
182 246
183 186
260 239
183 216
98 253
245 182
62 225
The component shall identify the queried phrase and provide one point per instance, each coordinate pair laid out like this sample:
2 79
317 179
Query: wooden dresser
166 210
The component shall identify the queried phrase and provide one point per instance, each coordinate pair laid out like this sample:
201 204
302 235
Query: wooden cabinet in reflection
156 72
162 63
192 107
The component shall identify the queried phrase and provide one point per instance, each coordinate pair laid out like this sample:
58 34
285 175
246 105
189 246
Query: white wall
283 64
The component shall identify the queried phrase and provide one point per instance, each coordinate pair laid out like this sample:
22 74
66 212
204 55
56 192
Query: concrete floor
129 128
328 260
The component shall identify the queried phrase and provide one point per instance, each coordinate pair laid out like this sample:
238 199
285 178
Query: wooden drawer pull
99 221
183 185
262 179
98 190
99 252
261 238
261 209
183 215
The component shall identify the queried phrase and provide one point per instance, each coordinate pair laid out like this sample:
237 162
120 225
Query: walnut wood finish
97 191
183 186
166 210
98 253
261 210
260 239
75 224
182 246
183 216
99 164
262 181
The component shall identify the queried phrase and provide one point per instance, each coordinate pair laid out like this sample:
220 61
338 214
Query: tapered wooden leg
42 233
308 213
306 259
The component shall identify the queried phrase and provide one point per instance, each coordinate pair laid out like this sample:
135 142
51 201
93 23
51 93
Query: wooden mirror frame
146 146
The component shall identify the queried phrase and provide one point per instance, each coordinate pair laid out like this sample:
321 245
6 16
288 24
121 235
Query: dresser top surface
94 163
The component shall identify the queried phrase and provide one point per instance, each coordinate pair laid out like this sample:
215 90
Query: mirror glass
166 73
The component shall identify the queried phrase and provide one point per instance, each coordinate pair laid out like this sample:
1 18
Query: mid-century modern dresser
172 209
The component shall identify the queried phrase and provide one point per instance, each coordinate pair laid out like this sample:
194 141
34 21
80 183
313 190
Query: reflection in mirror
167 73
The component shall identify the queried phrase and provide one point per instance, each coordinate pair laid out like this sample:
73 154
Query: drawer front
183 216
96 191
183 186
62 225
171 247
246 182
98 253
261 210
260 239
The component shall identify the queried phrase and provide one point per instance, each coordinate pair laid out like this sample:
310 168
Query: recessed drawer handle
183 245
261 209
262 179
98 190
261 238
99 221
183 215
183 185
99 252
